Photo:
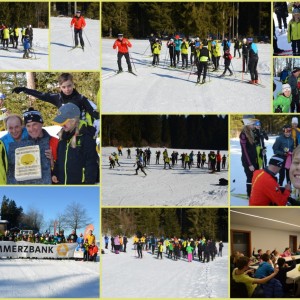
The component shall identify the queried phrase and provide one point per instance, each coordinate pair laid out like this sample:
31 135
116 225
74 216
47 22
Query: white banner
26 249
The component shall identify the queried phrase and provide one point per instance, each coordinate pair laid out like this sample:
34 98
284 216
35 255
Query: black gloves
18 89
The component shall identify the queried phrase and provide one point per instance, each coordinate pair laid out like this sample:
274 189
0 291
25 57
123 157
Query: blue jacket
264 270
80 240
282 143
26 44
178 44
7 139
273 289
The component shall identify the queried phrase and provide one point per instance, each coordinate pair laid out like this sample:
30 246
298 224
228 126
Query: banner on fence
26 249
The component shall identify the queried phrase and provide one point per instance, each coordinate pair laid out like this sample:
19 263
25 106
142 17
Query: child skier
26 44
227 59
156 52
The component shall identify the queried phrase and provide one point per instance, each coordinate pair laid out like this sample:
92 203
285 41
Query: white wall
267 239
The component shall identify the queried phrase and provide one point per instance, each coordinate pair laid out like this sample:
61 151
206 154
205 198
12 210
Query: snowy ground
162 89
13 59
282 41
40 278
175 187
61 37
126 276
237 171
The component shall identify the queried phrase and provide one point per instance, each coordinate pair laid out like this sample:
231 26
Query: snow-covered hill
171 187
13 59
162 89
126 276
62 40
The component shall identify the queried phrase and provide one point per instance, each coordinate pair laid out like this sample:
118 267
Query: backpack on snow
223 181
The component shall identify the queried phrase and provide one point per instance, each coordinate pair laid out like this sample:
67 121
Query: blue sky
53 200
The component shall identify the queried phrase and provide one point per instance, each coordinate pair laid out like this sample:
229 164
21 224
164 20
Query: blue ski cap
2 96
250 40
213 43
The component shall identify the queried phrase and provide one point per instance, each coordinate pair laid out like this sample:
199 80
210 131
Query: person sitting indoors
93 250
258 254
282 274
265 188
241 274
265 268
287 252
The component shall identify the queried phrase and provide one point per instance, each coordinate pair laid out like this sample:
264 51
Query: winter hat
171 40
120 34
277 160
250 40
65 112
78 12
286 87
244 40
294 120
32 115
197 39
296 69
249 120
296 11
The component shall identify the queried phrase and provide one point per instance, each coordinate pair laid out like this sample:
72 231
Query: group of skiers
215 161
12 35
174 248
201 53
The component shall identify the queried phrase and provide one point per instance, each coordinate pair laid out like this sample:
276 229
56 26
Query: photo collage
144 153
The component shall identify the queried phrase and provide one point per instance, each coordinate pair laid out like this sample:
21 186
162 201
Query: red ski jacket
266 191
122 45
78 23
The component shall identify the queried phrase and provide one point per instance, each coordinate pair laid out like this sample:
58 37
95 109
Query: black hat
32 115
120 34
78 12
296 69
277 160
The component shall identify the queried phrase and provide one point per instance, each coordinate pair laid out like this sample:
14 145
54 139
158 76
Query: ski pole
191 71
132 62
86 37
73 37
146 50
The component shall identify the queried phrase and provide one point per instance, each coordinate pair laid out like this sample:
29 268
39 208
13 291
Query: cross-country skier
171 46
281 11
245 56
203 58
157 157
5 37
128 153
26 44
156 52
177 47
193 51
139 164
253 60
216 54
226 44
184 47
123 44
79 24
293 33
237 46
227 59
29 32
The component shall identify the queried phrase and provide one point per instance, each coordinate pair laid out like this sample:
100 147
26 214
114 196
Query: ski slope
13 59
62 40
237 173
162 89
41 278
126 276
169 187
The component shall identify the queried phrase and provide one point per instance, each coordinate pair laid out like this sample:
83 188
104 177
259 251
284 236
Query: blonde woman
77 158
249 154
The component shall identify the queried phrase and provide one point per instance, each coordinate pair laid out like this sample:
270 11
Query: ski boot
120 71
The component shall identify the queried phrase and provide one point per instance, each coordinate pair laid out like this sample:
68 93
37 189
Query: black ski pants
281 18
296 47
202 66
120 55
172 58
78 32
295 103
245 63
253 67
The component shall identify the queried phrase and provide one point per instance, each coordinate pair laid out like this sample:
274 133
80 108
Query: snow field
62 40
162 89
169 187
13 59
126 276
40 278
